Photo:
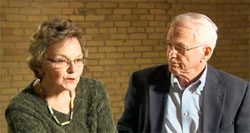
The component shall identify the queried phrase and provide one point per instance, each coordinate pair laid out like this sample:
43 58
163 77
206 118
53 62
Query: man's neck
190 78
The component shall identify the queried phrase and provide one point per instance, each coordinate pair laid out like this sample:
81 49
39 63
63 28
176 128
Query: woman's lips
71 80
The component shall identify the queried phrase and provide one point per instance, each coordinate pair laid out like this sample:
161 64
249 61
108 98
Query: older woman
60 100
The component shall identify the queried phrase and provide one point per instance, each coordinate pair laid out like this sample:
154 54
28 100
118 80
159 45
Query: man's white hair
205 31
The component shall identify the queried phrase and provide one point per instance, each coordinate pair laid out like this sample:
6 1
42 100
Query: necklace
39 89
71 112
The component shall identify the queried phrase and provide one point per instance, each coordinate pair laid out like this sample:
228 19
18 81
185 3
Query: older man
187 95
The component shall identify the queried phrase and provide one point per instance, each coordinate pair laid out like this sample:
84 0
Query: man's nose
171 52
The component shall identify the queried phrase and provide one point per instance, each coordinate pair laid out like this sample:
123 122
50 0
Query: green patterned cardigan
28 112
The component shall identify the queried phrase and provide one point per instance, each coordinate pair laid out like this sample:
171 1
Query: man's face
184 53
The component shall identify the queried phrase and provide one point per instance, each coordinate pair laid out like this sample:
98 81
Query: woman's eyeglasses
63 62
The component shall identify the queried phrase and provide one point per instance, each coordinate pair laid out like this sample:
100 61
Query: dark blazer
226 103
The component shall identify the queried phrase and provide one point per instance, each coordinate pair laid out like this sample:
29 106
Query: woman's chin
70 87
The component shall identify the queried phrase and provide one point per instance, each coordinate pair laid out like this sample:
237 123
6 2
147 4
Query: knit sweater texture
28 112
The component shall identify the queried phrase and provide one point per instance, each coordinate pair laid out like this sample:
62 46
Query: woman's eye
60 61
78 60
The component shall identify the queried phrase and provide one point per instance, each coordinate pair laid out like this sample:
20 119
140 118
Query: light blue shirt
183 112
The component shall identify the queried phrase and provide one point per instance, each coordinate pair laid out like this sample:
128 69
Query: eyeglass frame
180 49
67 61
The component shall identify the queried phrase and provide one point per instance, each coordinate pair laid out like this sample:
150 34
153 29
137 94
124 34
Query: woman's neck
60 102
58 99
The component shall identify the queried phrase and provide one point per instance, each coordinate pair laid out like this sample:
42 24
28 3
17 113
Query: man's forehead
182 31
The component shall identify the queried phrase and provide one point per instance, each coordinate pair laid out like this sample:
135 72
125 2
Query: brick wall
122 36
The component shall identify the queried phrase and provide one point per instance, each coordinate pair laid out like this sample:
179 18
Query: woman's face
63 65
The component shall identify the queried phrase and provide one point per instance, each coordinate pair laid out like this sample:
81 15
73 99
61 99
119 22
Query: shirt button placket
185 113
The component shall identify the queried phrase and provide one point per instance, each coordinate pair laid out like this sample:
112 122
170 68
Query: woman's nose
71 68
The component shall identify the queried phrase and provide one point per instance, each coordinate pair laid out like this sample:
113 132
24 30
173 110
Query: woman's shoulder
21 105
21 97
89 81
91 85
25 100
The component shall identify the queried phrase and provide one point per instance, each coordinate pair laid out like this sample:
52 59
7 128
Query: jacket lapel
157 99
157 107
214 96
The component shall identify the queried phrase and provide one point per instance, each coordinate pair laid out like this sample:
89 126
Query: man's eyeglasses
63 62
179 48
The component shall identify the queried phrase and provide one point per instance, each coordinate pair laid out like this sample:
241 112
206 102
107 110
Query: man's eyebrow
181 45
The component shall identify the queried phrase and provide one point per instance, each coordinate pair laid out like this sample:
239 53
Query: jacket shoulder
157 76
227 77
148 72
216 76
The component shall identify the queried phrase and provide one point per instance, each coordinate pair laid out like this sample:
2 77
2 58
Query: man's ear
207 53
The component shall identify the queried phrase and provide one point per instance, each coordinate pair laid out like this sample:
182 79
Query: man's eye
169 45
179 48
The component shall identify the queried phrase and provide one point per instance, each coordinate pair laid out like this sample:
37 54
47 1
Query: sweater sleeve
22 122
105 121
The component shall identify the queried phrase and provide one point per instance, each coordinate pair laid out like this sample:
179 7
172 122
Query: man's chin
173 70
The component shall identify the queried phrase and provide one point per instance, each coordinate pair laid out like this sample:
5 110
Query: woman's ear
38 73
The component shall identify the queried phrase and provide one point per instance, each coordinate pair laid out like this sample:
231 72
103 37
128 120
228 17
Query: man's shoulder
153 69
225 76
151 74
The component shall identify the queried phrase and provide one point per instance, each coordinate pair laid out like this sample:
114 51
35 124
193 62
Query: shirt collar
197 85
